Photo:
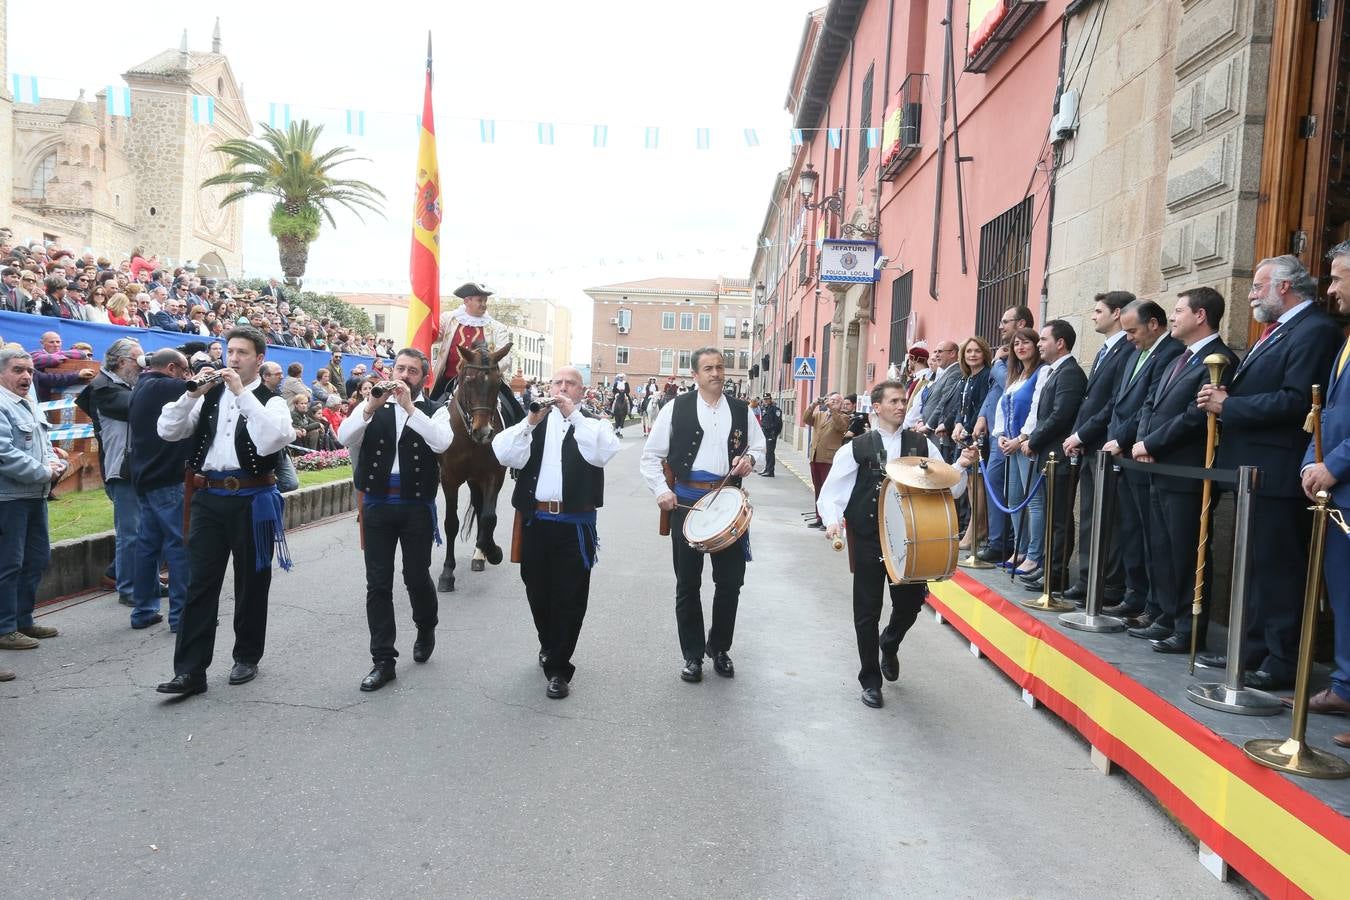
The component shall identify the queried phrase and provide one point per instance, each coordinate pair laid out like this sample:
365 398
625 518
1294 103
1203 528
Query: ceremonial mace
1216 363
1046 602
1294 755
979 526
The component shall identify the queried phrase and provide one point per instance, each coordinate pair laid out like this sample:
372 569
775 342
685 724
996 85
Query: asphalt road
463 779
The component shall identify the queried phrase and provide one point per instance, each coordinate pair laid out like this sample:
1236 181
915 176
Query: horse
619 409
475 418
651 405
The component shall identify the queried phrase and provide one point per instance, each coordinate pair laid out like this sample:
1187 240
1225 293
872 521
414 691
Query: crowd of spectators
139 292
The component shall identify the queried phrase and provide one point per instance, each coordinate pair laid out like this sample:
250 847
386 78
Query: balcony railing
902 138
990 37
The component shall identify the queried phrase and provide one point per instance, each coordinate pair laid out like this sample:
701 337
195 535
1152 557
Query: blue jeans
24 553
999 524
126 523
160 537
1029 524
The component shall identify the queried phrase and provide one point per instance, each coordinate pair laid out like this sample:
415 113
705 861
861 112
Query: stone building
87 177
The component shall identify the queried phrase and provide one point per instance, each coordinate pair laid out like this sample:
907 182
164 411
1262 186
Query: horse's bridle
464 413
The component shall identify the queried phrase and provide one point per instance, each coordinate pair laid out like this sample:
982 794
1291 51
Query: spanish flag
424 305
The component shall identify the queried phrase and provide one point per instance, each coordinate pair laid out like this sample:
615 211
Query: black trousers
387 527
728 568
770 444
1115 567
222 527
1132 522
1174 536
1281 530
558 587
869 577
1057 571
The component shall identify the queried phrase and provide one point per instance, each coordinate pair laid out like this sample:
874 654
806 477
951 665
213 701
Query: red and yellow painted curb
1285 841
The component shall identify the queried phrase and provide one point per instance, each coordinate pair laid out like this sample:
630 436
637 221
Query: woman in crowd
97 310
119 310
216 352
332 412
197 322
304 421
974 357
322 386
1024 369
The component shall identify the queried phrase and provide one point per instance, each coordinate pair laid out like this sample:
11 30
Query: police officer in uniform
734 445
560 455
850 494
395 440
238 427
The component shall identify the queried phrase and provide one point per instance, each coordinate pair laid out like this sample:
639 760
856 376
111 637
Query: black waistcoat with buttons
583 483
250 460
869 452
686 435
419 470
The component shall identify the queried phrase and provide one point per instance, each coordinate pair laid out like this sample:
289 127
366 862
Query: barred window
1005 267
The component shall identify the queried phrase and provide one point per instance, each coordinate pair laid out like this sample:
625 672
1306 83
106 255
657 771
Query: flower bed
323 459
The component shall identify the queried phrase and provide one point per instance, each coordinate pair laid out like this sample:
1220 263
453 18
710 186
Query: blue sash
586 533
268 507
686 494
395 495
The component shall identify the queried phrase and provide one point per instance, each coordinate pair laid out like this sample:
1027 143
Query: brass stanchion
1046 602
979 525
1103 504
1294 755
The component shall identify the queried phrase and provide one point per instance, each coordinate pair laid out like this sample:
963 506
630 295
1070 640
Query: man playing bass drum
851 492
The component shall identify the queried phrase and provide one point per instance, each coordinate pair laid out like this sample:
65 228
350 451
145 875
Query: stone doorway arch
212 266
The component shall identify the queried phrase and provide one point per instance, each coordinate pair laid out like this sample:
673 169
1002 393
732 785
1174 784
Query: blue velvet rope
994 499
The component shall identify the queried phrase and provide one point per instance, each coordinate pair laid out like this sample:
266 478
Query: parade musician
395 441
560 455
703 436
850 494
238 428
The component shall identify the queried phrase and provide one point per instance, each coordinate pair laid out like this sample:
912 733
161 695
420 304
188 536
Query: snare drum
718 520
919 533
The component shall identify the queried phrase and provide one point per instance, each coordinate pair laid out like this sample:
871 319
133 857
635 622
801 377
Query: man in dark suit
1054 408
1145 326
1172 429
1332 475
1263 412
939 401
1089 434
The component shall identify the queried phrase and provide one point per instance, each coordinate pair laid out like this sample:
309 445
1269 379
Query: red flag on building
424 305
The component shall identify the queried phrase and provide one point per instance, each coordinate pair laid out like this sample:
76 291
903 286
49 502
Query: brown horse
474 417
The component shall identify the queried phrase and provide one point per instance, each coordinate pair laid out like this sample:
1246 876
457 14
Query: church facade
88 177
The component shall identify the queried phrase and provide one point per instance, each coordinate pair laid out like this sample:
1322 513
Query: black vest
419 470
583 483
255 464
686 435
869 452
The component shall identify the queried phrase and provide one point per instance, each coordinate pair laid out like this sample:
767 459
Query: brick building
650 328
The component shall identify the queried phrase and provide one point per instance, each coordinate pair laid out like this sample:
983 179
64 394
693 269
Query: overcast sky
524 219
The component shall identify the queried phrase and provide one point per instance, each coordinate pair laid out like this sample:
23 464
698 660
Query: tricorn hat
469 289
918 353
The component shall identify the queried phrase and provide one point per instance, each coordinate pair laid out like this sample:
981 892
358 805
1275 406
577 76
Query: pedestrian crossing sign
804 368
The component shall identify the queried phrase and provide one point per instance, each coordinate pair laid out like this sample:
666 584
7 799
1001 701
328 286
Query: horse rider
465 326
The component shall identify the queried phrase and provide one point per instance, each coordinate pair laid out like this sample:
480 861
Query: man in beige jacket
828 424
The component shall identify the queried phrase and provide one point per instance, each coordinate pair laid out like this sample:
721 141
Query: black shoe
243 673
1123 610
1036 586
1177 643
890 666
872 697
184 685
153 620
126 600
692 671
816 523
378 678
766 475
425 643
1076 593
1264 681
722 664
557 688
1154 632
1035 574
1211 660
990 555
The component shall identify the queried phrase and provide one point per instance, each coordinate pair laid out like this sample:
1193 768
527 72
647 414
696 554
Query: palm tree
285 165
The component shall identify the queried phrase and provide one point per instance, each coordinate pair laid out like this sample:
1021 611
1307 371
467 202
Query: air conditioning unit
614 321
623 329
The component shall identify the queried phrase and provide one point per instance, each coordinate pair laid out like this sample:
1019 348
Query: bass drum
919 533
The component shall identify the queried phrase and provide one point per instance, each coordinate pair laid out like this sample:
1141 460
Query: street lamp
807 183
759 292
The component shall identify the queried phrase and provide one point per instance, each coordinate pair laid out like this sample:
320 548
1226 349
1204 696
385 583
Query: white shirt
915 411
269 427
435 429
712 450
595 440
1030 424
1200 345
838 486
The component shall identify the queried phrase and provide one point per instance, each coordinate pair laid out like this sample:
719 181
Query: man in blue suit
1333 475
1263 412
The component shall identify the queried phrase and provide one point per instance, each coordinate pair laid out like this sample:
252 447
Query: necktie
1176 370
1139 362
1265 333
1345 357
1101 354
